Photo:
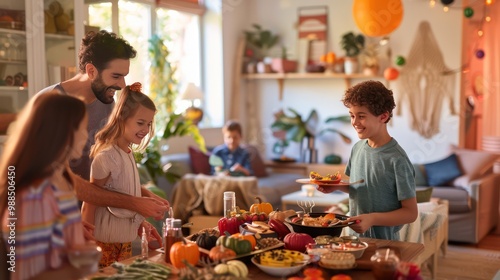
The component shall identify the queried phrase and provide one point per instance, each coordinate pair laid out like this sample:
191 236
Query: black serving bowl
334 231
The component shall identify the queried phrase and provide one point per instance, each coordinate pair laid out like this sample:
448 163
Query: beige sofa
473 196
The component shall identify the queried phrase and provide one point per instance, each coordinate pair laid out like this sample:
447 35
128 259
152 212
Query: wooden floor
489 242
464 262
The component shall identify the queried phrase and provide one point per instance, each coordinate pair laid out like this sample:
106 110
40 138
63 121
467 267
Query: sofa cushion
199 161
440 173
256 162
458 198
276 185
475 163
420 179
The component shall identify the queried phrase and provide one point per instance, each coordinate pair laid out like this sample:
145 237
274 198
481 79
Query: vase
283 65
351 65
370 71
310 153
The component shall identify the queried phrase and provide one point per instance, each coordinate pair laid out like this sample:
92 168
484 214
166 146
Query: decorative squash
181 251
240 246
297 241
206 240
278 215
260 206
220 252
249 237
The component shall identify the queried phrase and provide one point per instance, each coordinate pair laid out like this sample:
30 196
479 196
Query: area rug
464 263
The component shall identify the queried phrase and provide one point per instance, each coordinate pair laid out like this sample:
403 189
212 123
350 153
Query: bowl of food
85 256
317 224
337 260
355 248
315 250
281 262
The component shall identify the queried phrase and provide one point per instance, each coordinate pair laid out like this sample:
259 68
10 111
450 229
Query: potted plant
304 131
352 45
369 59
283 64
298 129
260 41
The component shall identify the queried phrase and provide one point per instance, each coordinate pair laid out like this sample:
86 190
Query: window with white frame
181 30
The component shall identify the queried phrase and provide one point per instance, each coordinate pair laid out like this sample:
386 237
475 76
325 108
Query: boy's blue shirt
229 158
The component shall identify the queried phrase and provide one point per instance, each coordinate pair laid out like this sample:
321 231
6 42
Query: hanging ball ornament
391 73
468 12
376 18
480 54
447 2
400 60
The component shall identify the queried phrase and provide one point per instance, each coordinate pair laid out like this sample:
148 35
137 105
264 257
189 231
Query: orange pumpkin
181 251
313 272
220 252
260 206
249 237
377 17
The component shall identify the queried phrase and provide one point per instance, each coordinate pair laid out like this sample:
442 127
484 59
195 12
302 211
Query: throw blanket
205 194
430 216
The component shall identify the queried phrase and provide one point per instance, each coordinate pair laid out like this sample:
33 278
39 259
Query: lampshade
191 92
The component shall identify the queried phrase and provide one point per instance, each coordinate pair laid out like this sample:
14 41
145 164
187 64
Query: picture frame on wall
312 34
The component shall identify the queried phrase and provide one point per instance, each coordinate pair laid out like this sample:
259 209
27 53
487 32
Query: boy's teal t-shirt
389 178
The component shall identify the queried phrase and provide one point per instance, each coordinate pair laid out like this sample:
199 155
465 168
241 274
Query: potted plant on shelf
352 45
283 64
369 59
260 41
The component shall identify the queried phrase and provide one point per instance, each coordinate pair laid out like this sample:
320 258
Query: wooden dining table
406 251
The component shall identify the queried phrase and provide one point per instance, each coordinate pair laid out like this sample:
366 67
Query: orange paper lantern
377 17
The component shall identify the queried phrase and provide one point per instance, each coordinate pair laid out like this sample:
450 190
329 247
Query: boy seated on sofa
230 158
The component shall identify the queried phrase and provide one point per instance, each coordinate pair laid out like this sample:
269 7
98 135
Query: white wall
280 17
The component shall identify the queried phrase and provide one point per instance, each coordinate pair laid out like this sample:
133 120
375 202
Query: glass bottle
385 263
229 203
144 244
174 234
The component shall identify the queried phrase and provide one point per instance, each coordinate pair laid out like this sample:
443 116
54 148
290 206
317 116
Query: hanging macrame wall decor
424 83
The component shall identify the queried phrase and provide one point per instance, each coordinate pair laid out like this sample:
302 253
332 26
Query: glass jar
384 264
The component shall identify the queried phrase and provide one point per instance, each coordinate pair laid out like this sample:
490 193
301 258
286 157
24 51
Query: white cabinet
37 48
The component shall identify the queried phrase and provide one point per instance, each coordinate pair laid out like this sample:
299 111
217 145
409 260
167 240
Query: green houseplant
352 45
260 40
163 90
298 129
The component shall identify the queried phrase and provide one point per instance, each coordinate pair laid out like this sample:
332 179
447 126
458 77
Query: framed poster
313 34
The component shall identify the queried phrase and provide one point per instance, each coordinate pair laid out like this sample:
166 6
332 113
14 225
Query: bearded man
104 61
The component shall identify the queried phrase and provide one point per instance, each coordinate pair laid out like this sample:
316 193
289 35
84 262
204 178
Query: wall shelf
281 77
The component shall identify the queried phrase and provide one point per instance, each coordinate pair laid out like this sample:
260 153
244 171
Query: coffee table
320 199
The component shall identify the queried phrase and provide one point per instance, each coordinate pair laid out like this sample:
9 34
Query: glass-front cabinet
38 47
13 58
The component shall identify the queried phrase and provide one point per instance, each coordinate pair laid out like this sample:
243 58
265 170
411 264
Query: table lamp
192 93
